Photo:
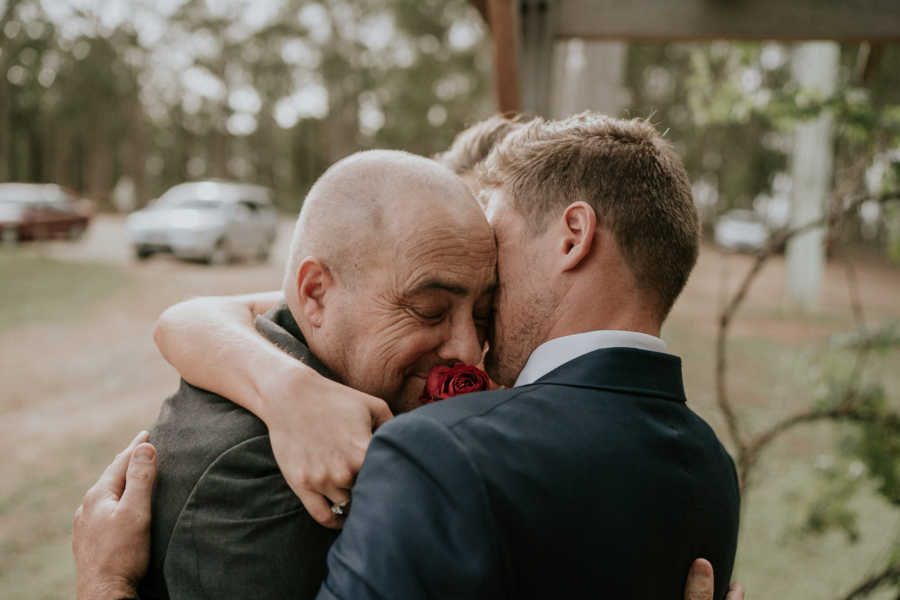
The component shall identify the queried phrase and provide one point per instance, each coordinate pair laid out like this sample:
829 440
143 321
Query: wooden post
5 146
814 66
503 22
588 75
536 54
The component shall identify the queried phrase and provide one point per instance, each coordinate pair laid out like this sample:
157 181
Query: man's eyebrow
436 284
454 288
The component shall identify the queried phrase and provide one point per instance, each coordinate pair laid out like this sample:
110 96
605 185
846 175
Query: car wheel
142 253
10 236
75 231
220 254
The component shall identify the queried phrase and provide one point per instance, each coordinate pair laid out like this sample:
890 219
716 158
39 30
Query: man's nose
463 344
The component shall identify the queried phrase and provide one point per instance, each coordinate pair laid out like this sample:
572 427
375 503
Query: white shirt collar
558 351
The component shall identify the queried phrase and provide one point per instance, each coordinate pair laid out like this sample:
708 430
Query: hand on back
111 533
111 530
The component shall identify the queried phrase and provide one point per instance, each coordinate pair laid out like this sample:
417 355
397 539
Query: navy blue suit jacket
595 480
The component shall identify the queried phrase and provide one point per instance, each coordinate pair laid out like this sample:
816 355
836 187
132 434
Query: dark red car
39 211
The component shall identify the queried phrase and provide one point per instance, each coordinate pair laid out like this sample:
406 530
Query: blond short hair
473 144
624 169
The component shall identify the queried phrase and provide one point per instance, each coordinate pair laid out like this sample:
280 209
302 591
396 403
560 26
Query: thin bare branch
855 300
891 572
776 241
846 412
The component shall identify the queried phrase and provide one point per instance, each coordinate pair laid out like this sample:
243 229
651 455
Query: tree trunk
99 172
62 168
342 130
220 154
815 66
590 76
4 130
35 155
137 153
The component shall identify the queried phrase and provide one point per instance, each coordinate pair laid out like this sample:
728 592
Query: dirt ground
74 391
83 374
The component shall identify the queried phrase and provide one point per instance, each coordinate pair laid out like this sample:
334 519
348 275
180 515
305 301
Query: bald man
391 271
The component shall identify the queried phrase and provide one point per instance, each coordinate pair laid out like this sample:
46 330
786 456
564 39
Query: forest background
105 95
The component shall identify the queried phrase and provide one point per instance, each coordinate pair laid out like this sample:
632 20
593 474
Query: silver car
214 221
741 231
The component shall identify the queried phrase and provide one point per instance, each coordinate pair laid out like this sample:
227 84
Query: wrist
109 589
272 385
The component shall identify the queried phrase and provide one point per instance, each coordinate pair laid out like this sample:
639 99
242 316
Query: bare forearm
319 428
213 344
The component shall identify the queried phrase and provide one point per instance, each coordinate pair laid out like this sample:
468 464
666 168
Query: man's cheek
394 339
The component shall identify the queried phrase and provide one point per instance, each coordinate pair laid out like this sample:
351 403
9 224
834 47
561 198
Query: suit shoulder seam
472 465
486 411
199 482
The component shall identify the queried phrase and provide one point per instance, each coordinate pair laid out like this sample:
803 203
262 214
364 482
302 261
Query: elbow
161 329
169 322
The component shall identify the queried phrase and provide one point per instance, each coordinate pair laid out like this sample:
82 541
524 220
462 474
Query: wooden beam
503 23
481 7
841 20
536 55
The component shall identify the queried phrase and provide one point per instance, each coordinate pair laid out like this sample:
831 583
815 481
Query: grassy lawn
36 551
40 288
769 380
37 500
72 404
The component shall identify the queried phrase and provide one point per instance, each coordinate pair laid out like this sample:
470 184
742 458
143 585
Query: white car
742 231
214 221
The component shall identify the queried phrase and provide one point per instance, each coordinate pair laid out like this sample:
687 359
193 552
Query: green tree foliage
870 449
730 109
270 92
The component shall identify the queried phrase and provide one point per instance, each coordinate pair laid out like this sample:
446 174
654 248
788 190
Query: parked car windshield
202 195
197 204
26 193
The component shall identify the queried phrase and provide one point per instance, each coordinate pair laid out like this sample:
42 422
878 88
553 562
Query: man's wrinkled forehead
441 282
459 258
448 246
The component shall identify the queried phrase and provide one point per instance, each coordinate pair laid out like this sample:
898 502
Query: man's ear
313 281
578 224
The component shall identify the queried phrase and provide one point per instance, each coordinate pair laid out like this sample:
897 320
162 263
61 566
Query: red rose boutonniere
445 382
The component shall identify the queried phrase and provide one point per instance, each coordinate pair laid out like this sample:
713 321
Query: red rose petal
445 382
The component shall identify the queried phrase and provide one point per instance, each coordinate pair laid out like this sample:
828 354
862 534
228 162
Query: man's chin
495 370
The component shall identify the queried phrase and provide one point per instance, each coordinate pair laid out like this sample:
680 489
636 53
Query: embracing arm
212 343
111 534
319 429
